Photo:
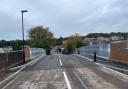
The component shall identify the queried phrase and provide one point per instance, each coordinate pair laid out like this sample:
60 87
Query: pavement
60 71
120 67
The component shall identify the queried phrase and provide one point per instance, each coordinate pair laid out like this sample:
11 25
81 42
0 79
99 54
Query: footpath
122 68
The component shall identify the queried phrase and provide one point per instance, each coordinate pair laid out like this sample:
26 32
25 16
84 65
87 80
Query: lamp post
22 12
127 40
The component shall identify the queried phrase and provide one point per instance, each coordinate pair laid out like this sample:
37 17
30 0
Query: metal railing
102 50
36 52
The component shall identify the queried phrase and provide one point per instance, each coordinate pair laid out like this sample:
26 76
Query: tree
76 40
73 43
16 44
39 33
42 38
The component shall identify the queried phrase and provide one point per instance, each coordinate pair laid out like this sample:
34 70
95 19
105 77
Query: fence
36 52
10 58
101 50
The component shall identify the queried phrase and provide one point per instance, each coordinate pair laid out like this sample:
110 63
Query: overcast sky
63 17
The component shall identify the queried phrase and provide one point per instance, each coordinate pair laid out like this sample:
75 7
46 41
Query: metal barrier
102 50
36 52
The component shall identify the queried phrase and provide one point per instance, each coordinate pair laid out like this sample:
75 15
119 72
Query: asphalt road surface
67 72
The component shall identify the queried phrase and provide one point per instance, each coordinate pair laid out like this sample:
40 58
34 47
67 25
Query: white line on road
97 56
85 87
60 60
67 80
84 57
114 67
36 60
112 70
65 75
17 72
103 66
12 75
11 82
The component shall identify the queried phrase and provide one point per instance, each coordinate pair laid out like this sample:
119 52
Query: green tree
73 43
16 44
76 41
39 33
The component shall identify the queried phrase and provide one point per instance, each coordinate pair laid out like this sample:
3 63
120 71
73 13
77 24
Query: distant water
101 50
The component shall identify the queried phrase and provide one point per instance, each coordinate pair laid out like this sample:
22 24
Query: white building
6 49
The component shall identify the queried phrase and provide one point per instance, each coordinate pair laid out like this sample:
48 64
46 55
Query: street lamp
22 12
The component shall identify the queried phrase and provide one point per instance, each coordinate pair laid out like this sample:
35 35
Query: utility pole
22 12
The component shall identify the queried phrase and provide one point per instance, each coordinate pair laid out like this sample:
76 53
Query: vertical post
94 56
127 40
23 37
22 12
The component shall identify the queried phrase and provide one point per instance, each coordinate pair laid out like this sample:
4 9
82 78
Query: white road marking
112 70
97 56
60 60
85 87
11 82
67 80
35 61
84 57
17 71
65 75
9 66
12 75
102 65
114 67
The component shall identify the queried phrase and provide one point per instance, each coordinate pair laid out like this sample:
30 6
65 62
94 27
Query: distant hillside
95 35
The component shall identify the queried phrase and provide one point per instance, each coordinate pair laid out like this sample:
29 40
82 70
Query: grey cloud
65 17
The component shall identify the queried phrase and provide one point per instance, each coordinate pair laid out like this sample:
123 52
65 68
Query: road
67 72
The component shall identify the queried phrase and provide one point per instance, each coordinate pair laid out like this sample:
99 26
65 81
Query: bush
65 51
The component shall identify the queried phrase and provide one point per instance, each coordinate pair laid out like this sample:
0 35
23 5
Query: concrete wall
119 51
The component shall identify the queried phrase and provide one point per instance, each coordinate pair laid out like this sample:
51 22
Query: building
6 49
96 40
116 38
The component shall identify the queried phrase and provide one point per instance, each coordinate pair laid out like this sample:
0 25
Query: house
6 49
116 38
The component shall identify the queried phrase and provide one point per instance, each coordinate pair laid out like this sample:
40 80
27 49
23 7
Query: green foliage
41 37
39 33
70 48
16 44
72 43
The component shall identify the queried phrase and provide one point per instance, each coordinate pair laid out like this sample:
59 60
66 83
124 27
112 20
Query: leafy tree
39 33
76 41
16 44
73 43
